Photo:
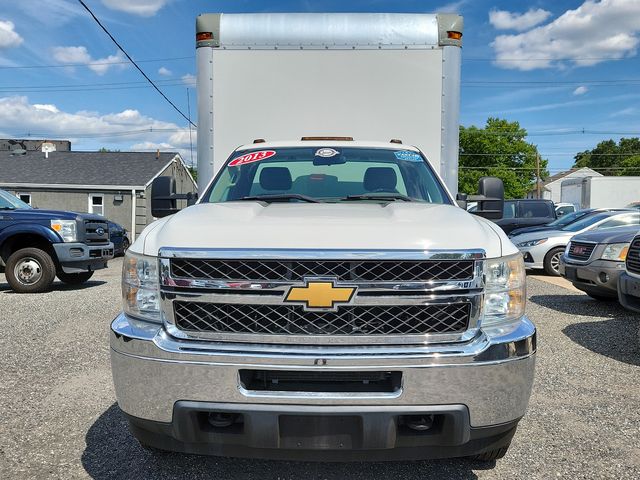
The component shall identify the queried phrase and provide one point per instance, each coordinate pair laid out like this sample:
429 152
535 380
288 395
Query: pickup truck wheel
491 455
125 244
552 261
74 278
30 270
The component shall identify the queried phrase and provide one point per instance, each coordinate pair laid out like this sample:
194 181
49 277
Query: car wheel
30 270
74 278
125 244
552 261
491 455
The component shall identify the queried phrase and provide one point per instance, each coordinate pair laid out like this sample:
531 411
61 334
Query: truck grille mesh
91 234
581 251
633 256
348 320
296 270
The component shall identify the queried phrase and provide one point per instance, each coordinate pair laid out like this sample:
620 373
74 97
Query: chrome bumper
491 374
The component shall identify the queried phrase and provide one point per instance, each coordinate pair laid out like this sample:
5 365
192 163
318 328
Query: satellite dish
48 147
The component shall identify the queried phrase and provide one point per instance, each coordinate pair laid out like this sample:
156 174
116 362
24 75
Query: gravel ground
58 417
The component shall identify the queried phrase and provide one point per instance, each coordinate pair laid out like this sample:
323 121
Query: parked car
119 237
564 208
38 245
526 213
564 220
544 249
594 260
629 280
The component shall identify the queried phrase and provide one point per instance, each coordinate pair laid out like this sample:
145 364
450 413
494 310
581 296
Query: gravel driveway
59 419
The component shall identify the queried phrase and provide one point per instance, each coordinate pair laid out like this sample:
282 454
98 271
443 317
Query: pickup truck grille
348 320
297 270
581 251
633 256
92 233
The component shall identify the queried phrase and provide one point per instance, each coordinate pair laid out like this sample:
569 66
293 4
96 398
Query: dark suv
526 213
38 245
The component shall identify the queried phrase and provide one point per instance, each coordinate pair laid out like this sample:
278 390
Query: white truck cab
325 299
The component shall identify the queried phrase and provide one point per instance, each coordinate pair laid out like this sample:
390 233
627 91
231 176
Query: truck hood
369 226
609 235
37 214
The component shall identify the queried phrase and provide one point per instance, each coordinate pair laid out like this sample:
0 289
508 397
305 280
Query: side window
621 221
534 209
509 210
25 197
564 210
96 204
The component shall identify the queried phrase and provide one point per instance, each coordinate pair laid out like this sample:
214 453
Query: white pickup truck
325 299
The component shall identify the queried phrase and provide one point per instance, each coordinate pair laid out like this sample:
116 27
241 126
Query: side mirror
163 197
490 198
461 200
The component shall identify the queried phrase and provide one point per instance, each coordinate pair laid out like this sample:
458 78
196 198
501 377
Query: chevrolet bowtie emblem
322 294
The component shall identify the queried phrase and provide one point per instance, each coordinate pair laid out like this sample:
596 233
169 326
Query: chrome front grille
633 256
297 270
348 320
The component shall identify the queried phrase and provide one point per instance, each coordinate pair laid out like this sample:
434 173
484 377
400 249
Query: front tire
74 278
552 261
30 270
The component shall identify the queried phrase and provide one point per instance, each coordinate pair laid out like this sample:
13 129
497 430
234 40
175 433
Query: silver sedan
544 249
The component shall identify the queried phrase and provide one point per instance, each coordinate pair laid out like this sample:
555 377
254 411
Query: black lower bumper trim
302 433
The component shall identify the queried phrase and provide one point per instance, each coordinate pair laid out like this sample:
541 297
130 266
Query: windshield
333 174
585 222
9 202
568 218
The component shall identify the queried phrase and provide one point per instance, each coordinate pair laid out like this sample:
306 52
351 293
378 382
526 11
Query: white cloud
118 129
165 72
451 7
590 34
503 20
8 36
581 90
80 55
143 8
189 79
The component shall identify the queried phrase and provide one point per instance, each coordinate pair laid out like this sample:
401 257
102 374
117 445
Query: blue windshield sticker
408 156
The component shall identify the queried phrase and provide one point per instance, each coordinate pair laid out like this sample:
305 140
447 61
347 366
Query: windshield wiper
280 197
382 196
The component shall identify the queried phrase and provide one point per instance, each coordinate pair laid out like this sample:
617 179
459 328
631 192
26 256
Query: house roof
566 173
83 168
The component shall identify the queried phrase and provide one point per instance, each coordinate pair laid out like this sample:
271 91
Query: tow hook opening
221 422
420 424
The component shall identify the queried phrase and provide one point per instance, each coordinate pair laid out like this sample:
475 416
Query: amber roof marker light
454 35
203 36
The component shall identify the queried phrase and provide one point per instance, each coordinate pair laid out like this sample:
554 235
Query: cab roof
327 143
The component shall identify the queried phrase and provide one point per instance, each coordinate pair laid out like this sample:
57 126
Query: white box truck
325 298
601 192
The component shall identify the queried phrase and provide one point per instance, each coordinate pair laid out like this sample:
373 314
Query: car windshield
9 202
585 222
327 174
568 218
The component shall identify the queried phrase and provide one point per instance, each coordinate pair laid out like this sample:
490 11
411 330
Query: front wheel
552 261
74 278
30 270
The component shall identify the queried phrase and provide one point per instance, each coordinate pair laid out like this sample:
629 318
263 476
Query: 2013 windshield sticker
327 153
251 157
408 156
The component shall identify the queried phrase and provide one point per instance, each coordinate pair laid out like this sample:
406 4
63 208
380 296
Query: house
114 184
551 187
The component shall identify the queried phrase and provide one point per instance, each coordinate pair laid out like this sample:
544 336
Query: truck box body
601 192
366 76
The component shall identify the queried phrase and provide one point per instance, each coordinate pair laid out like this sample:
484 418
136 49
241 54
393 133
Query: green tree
611 158
194 173
500 149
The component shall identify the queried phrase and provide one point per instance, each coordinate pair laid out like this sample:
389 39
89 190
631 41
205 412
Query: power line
134 63
90 64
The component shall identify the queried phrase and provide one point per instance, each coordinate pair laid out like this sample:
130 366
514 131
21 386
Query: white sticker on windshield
408 156
327 153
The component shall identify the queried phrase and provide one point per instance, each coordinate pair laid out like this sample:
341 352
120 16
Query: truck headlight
66 229
532 243
141 286
505 290
616 252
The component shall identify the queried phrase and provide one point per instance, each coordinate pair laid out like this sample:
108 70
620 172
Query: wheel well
24 240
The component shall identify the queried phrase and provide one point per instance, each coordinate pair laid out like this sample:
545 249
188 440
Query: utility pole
538 185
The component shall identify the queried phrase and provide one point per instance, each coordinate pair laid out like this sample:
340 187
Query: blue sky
559 67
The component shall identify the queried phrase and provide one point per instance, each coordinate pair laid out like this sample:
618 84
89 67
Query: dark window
509 210
534 210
